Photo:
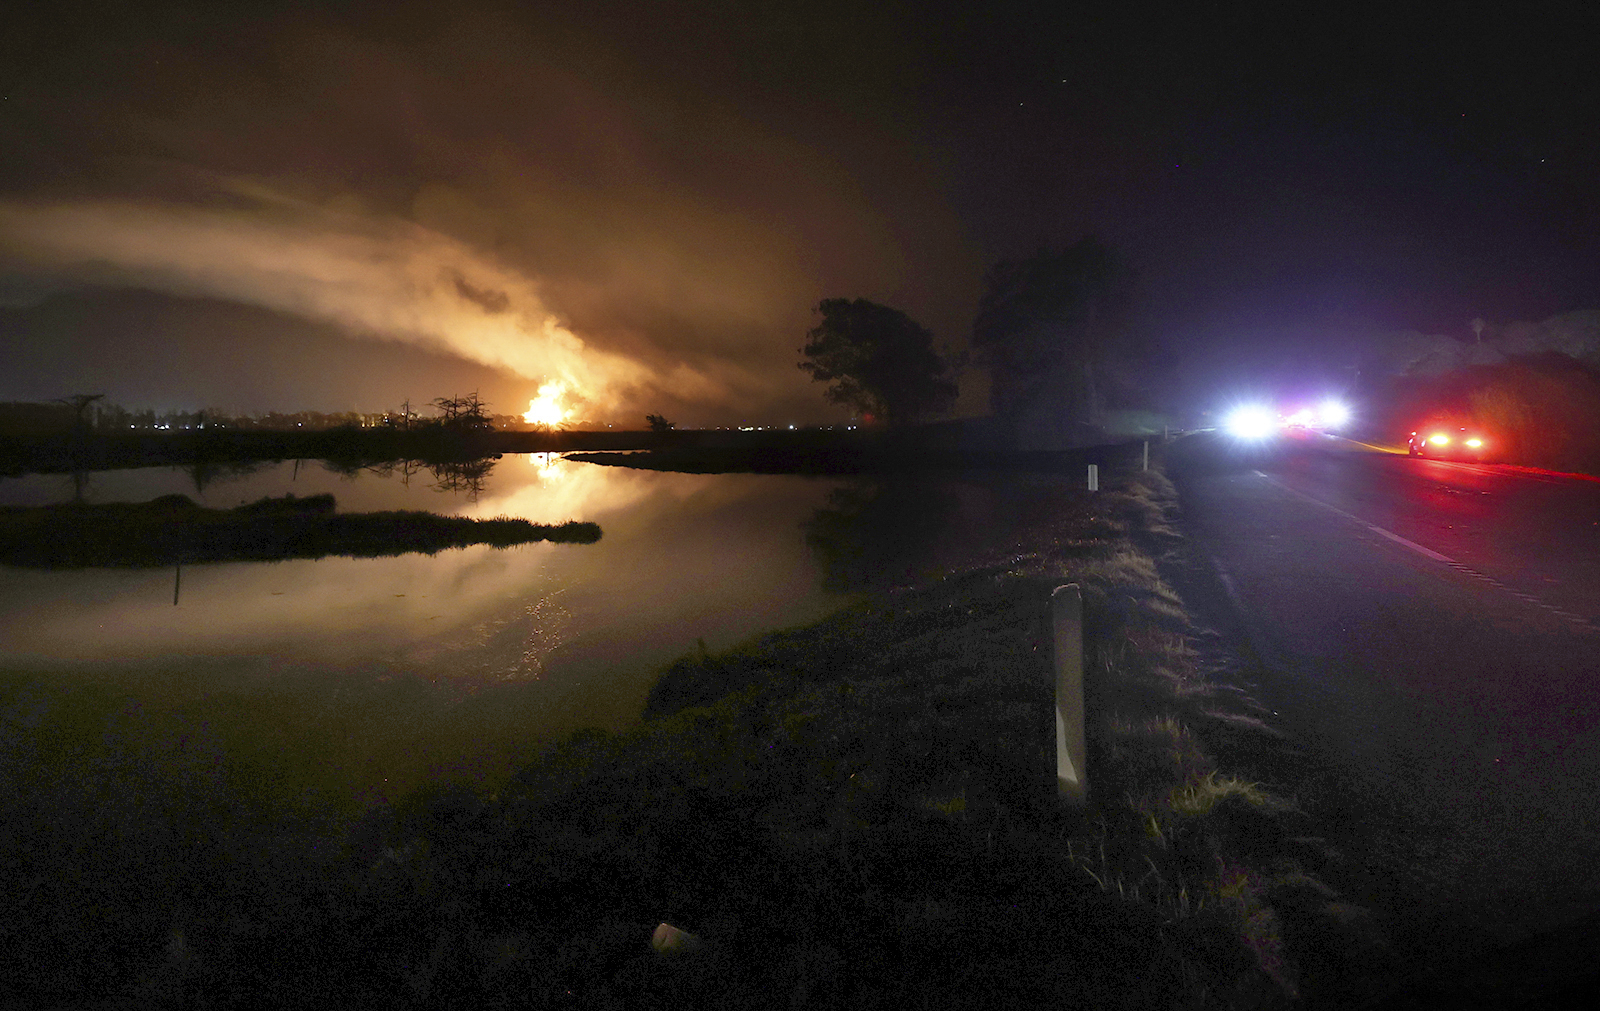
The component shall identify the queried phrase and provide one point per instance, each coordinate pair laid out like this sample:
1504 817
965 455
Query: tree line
93 413
1051 329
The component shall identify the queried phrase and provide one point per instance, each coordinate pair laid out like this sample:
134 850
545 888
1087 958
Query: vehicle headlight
1249 422
1333 413
1439 440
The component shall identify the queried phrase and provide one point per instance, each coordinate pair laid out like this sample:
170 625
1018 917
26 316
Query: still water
369 676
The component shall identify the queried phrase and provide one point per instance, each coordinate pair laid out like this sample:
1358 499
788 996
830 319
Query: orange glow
546 409
546 465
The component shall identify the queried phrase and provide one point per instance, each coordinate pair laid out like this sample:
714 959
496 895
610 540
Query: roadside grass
856 809
857 813
122 836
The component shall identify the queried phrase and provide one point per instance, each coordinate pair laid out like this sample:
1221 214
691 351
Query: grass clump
1198 797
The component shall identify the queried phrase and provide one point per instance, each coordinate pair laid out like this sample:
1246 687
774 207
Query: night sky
254 207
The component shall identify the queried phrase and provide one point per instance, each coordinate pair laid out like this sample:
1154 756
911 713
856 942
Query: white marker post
1146 454
670 940
1094 477
1066 615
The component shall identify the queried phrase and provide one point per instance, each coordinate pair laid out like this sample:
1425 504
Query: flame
546 409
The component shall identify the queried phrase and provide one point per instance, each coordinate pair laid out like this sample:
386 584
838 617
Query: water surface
376 674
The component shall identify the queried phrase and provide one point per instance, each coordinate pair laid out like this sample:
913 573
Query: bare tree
469 412
80 402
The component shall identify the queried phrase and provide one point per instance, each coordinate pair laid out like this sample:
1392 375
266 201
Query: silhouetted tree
463 412
79 402
465 476
880 361
403 419
1047 326
658 424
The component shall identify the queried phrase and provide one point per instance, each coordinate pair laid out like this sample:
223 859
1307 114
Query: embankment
859 813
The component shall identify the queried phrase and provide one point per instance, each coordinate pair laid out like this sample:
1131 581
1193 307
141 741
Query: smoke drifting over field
645 202
391 280
526 196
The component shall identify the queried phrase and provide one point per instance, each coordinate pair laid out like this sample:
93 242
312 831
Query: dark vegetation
861 813
174 529
59 437
1053 331
355 447
878 361
468 413
850 453
1543 408
61 453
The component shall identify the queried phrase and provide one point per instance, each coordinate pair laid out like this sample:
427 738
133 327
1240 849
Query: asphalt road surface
1430 631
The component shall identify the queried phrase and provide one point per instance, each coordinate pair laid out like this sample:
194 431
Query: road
1430 632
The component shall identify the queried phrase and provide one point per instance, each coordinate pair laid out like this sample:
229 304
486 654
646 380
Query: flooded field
367 676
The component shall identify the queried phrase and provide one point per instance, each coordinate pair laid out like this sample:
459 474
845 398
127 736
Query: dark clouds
252 359
665 242
645 200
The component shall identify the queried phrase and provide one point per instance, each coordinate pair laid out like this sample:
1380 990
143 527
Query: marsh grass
121 833
858 813
174 529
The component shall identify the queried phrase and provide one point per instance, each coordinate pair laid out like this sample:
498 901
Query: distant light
1439 440
1251 421
1333 413
1475 443
791 428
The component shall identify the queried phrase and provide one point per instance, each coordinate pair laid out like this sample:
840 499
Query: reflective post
1146 455
1066 615
670 940
1094 477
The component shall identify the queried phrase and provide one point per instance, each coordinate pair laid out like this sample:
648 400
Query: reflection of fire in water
546 466
546 409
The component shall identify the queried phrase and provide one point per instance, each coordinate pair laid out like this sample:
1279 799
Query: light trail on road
1578 620
1449 691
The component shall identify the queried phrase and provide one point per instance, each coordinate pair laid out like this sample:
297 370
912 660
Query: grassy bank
174 529
865 456
803 451
854 814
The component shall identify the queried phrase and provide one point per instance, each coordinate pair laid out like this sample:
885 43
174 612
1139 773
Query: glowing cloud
379 278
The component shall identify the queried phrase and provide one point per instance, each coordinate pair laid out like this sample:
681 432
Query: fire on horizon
546 409
265 207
